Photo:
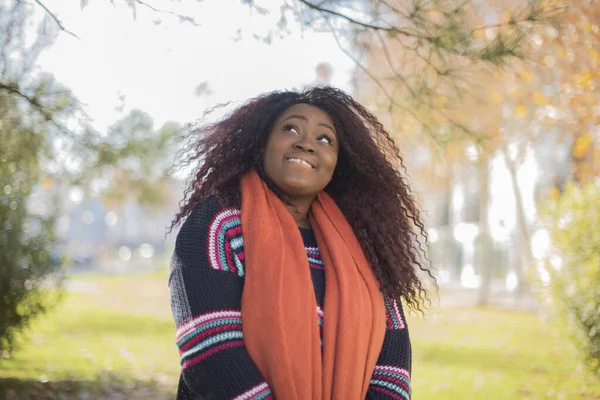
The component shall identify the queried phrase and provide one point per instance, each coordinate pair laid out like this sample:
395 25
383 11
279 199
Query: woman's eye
325 139
291 128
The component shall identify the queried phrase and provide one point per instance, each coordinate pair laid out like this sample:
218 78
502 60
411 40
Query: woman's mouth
301 162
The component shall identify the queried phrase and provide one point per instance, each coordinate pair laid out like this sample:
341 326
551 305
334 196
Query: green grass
112 343
491 354
117 342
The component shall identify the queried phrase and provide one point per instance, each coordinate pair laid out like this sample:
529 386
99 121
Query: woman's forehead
306 111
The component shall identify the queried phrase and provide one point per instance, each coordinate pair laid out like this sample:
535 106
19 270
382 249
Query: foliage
28 286
557 93
72 151
575 285
544 103
419 57
131 159
48 146
26 239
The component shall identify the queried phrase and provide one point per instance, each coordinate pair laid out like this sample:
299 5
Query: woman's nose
304 145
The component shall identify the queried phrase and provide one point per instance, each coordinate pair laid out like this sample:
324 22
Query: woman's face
301 152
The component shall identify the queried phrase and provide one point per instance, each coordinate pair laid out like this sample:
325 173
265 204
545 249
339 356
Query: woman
298 243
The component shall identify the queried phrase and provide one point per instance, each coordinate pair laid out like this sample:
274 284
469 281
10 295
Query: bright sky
158 66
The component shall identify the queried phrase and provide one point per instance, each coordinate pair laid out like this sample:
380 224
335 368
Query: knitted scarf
279 323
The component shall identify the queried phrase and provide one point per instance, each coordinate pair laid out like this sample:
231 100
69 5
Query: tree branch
396 10
14 89
388 57
55 18
391 99
180 16
31 100
140 2
353 21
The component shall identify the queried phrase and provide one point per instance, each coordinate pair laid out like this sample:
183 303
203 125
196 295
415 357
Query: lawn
114 339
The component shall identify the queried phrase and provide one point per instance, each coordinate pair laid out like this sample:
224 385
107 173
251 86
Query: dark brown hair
368 183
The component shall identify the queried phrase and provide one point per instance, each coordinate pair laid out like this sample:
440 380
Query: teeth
299 161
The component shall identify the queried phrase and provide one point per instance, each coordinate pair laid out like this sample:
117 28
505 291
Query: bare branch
180 16
396 10
140 2
422 32
32 100
388 57
14 89
55 18
390 30
391 99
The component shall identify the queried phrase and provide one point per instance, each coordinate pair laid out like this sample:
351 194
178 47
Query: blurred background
494 105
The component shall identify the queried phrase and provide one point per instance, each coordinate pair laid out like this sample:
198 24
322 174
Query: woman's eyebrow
302 117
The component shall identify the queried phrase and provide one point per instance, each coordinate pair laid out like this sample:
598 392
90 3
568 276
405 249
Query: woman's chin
298 187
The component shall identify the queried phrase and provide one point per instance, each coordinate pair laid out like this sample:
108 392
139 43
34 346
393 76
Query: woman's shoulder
212 235
209 216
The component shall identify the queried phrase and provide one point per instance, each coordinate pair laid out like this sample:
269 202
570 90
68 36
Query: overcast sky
157 66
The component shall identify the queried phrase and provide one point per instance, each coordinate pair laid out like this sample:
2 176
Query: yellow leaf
540 98
554 193
453 151
440 101
595 54
497 97
521 111
582 144
585 79
527 76
516 92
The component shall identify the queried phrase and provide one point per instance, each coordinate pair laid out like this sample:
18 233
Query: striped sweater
206 283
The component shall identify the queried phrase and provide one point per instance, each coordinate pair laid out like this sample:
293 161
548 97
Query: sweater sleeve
391 376
206 282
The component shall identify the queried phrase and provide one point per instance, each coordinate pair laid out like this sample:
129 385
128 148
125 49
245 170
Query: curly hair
368 183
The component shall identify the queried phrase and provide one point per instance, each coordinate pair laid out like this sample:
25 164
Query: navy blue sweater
206 284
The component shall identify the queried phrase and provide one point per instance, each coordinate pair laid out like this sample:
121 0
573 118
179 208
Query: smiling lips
299 161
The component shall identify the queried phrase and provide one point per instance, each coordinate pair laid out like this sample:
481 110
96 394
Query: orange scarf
280 325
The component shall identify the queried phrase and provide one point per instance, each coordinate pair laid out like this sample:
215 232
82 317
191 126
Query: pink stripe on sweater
210 352
398 314
254 392
229 257
215 229
236 230
394 369
389 393
208 333
194 322
390 323
398 382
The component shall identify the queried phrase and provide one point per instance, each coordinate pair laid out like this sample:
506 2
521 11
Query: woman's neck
299 212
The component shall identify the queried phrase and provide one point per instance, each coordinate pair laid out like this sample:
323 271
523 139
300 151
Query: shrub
28 285
575 276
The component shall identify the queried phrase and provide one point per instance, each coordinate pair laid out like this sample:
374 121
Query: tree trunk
451 251
522 230
484 261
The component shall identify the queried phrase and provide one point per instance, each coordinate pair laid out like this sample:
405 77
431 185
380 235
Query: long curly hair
368 183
